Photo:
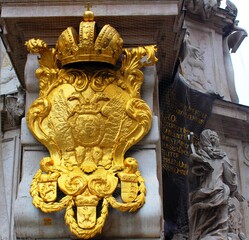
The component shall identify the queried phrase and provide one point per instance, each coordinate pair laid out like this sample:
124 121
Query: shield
86 216
48 191
129 187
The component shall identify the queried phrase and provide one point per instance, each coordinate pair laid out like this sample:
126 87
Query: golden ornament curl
40 203
36 45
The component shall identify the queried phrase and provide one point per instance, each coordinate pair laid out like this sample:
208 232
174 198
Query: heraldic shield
88 114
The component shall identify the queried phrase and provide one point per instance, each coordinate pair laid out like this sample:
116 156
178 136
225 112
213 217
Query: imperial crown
87 46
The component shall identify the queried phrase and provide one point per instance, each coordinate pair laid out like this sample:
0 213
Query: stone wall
10 167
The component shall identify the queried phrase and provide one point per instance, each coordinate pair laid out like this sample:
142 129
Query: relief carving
88 115
13 109
9 80
15 104
204 8
246 154
194 64
235 224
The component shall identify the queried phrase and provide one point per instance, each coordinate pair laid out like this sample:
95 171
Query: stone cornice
230 120
221 21
156 22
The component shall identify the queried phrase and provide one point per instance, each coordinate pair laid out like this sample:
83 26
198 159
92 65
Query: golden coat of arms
88 114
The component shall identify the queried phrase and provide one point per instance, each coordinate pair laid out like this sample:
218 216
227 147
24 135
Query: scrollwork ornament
130 72
36 45
88 116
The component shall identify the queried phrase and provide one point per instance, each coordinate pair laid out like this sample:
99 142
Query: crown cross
88 6
88 14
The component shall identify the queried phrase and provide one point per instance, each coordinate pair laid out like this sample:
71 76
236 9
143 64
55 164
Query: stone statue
231 42
215 181
204 8
235 224
231 8
15 104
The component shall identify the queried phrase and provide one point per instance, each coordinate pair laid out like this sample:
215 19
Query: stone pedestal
146 223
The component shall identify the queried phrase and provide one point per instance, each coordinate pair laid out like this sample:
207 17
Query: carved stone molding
246 154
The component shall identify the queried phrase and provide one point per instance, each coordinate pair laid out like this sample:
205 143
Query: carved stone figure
13 109
235 224
194 65
231 43
16 107
231 8
204 8
180 236
8 76
215 181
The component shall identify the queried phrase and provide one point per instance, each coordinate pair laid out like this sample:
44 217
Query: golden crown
87 45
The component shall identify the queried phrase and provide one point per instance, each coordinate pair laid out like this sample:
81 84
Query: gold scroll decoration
88 116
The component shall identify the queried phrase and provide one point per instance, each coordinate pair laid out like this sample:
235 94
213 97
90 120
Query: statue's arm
199 166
